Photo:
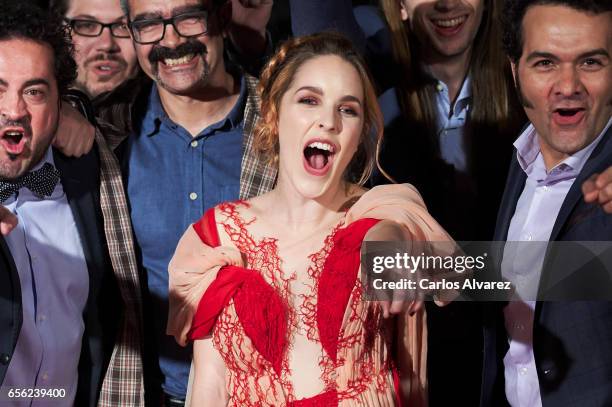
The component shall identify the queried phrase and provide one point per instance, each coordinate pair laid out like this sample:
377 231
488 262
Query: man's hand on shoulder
75 134
598 189
8 220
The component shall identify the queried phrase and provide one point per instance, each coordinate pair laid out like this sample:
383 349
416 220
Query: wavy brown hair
277 77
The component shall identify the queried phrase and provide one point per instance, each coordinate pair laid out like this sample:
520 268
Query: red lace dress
253 317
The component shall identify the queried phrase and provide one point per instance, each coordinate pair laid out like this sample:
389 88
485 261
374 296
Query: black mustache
192 46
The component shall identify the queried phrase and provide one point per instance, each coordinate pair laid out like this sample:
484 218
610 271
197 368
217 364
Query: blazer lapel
514 188
11 289
600 159
80 180
512 192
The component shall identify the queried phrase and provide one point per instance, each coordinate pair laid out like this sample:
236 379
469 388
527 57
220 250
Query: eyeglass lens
90 28
186 25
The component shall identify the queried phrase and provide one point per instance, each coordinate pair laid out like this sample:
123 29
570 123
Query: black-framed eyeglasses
191 24
92 28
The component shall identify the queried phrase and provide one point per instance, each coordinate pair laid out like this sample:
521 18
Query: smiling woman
269 288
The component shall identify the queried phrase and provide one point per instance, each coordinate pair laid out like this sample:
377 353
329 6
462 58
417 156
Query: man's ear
403 11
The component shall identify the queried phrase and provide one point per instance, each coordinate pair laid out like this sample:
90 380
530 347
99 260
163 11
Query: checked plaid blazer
118 114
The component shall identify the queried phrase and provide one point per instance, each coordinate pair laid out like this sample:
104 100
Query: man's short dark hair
59 7
514 12
22 20
125 5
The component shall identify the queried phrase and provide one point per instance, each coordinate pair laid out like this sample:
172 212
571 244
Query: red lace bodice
255 316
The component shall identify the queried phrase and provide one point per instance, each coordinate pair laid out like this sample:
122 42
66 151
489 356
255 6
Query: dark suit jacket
81 182
572 340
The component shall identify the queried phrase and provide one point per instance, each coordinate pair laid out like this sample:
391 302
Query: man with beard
551 347
60 308
189 144
104 51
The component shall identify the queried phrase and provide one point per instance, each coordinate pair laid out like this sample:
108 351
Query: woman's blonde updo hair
277 77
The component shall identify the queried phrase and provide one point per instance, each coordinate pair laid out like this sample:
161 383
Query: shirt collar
465 93
156 115
528 151
27 195
47 158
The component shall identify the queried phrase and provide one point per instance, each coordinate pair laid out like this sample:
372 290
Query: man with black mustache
189 144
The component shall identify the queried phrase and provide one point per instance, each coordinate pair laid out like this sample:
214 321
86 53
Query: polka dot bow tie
42 182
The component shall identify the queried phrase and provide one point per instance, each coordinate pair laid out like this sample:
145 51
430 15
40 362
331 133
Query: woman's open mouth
318 156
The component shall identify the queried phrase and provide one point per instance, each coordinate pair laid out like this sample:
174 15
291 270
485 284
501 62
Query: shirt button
5 359
545 188
439 87
194 143
529 237
193 196
42 317
523 371
45 376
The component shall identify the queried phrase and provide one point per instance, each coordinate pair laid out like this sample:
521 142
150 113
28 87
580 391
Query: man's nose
106 41
445 5
12 107
568 82
171 37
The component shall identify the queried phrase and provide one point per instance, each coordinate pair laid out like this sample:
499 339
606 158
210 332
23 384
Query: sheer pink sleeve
192 270
402 203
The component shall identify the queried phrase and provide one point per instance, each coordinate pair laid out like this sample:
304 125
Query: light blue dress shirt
533 221
172 179
54 288
451 122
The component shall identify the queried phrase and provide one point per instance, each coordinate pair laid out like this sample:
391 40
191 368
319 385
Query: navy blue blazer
81 182
572 340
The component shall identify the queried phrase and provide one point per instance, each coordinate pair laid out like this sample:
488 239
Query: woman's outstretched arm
209 387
